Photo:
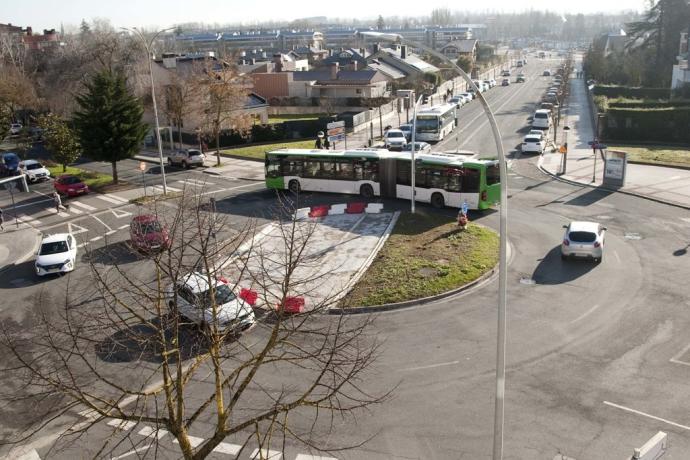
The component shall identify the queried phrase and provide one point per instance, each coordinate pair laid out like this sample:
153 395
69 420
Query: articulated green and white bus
441 179
435 123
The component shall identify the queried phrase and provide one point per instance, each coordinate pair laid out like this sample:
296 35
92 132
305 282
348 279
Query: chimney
375 48
403 52
334 71
354 66
278 61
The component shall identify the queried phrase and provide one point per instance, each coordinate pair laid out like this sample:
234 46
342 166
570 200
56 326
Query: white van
541 119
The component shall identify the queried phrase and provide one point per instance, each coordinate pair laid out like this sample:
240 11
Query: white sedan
58 254
533 144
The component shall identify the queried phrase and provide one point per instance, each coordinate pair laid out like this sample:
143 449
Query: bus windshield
427 123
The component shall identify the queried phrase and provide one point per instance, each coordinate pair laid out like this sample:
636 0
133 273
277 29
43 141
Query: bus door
387 177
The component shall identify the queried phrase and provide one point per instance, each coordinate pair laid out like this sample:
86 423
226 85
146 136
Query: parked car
583 239
550 97
488 83
406 128
479 85
34 170
519 63
541 119
186 158
15 128
148 234
546 73
419 147
190 298
533 144
520 78
469 96
9 166
536 132
550 106
457 100
505 82
70 185
394 139
57 254
558 78
505 73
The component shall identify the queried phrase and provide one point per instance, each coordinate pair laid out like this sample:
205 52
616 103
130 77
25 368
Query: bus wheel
437 201
293 186
366 191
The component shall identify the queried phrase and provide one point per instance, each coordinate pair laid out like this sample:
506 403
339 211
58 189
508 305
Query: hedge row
648 125
649 104
612 91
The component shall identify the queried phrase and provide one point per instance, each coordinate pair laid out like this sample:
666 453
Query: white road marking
159 188
83 205
117 198
618 258
267 454
312 457
110 232
431 366
83 244
254 184
76 211
122 227
193 440
195 183
227 448
686 219
148 431
28 220
676 359
133 451
79 229
108 199
120 213
644 414
124 425
62 214
585 314
96 238
104 224
33 203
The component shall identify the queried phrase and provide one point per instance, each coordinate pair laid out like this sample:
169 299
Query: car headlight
67 262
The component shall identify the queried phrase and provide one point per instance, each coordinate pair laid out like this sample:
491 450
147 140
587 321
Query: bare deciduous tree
290 377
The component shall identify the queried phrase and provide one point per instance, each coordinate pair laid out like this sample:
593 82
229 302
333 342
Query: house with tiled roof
463 47
398 63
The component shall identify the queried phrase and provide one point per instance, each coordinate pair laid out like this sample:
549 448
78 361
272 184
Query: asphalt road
597 358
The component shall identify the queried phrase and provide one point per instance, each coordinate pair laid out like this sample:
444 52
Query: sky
48 14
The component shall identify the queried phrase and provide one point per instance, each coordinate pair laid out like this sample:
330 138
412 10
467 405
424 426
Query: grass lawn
426 254
94 180
257 151
275 119
656 155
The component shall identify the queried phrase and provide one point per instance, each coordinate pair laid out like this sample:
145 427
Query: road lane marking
133 451
110 232
28 220
644 414
117 198
148 431
83 205
96 238
124 425
159 188
108 199
79 229
227 448
312 457
75 210
118 213
431 366
676 358
193 440
122 227
33 203
618 258
104 224
267 454
585 314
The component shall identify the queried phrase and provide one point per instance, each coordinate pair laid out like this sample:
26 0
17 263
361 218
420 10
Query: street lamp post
503 232
565 150
412 161
149 58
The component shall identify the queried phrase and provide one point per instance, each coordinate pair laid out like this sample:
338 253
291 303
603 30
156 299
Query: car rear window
532 139
583 237
540 115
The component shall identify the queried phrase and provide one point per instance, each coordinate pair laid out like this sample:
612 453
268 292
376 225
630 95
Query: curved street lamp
503 249
149 57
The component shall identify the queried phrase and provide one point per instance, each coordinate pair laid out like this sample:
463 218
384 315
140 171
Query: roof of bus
437 109
431 157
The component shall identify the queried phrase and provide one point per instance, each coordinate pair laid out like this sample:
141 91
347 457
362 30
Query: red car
148 234
70 185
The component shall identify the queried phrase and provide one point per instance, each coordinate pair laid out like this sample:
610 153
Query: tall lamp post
149 57
412 163
503 249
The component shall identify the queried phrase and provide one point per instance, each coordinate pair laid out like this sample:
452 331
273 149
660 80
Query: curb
415 302
659 165
624 192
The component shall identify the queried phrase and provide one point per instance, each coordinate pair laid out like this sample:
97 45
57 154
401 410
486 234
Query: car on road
193 295
533 144
34 171
186 158
505 73
459 101
57 254
505 82
394 139
541 119
551 97
520 78
546 73
469 96
406 128
70 185
583 240
490 83
15 128
148 234
419 147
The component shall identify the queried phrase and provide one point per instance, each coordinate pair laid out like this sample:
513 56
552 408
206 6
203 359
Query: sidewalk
17 245
657 183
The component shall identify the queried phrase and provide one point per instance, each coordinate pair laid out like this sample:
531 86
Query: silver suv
186 158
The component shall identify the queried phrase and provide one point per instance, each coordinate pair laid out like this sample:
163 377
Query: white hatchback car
187 158
57 254
193 293
533 144
394 139
34 170
584 240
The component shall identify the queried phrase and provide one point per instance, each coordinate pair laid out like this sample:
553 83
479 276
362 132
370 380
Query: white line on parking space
110 232
431 366
585 314
676 359
96 238
122 227
644 414
148 431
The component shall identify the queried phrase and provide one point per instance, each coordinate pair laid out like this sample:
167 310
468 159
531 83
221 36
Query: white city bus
435 123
